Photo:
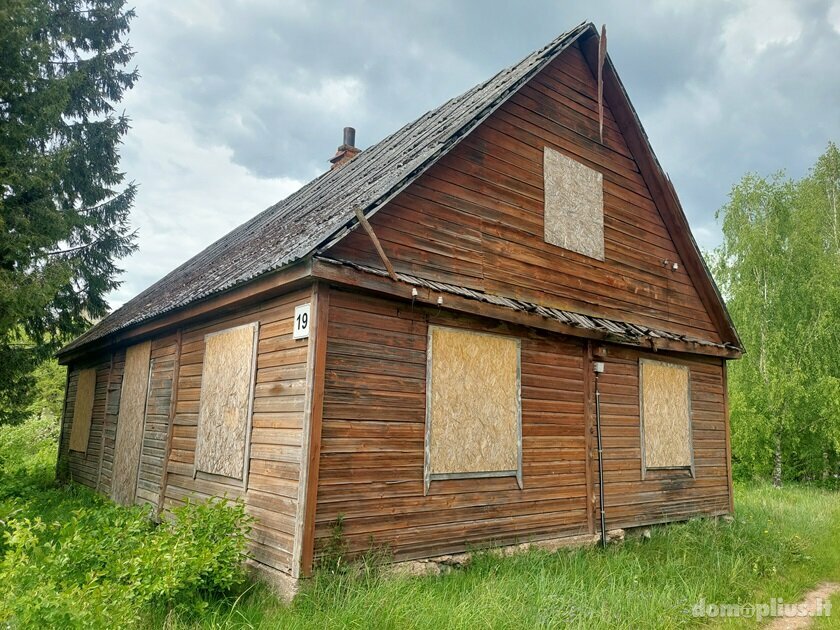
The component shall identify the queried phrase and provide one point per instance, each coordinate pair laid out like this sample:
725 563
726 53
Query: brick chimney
347 151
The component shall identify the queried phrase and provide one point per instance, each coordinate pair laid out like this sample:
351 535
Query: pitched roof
325 207
323 211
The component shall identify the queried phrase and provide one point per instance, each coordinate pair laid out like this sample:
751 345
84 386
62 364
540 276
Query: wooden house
429 340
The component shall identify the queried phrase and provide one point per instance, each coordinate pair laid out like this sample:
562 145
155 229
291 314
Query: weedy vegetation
69 558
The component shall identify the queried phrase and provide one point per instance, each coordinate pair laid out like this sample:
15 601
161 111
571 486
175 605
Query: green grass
832 621
782 543
69 558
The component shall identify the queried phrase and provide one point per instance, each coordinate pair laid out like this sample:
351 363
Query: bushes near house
71 558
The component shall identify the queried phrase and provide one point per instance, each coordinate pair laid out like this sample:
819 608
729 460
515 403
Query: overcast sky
240 103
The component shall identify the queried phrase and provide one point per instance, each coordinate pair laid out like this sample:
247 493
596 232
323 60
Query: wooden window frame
645 468
428 476
249 421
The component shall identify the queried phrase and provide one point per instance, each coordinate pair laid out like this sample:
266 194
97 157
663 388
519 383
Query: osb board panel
130 423
225 402
665 414
83 410
474 402
574 205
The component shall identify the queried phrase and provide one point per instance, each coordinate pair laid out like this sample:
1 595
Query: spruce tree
64 205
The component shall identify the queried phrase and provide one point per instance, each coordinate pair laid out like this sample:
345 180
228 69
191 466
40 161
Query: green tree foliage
64 208
48 390
779 267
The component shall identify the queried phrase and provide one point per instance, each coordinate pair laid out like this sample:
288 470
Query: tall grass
781 543
69 558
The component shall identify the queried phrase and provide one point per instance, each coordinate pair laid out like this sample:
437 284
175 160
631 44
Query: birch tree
779 268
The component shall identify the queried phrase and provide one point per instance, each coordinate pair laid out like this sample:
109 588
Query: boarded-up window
83 410
574 205
225 405
473 413
135 387
666 415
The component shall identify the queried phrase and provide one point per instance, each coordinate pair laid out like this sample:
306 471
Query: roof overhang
469 301
271 284
278 278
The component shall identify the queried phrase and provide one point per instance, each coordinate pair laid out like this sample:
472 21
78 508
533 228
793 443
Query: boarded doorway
135 388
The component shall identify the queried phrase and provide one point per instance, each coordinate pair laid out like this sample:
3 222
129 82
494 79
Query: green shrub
27 456
104 565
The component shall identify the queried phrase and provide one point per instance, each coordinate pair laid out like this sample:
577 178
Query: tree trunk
777 461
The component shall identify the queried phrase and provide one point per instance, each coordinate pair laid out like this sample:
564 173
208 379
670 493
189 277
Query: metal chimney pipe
349 137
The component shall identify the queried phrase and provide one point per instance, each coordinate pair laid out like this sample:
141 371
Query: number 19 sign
301 329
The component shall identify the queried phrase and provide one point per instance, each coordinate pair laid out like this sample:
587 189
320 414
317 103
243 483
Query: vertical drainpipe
598 367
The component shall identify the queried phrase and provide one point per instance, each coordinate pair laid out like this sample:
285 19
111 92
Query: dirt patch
803 612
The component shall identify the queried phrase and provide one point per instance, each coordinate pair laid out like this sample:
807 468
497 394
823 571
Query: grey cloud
265 88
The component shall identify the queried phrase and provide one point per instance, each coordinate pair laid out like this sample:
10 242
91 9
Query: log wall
276 434
84 467
156 426
112 412
371 464
663 495
169 429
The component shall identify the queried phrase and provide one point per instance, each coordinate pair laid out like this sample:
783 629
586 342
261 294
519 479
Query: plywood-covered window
574 205
473 406
130 421
665 401
83 410
224 416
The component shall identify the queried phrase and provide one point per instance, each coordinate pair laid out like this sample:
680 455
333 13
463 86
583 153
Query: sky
242 102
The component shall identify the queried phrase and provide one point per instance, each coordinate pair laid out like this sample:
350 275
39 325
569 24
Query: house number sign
301 329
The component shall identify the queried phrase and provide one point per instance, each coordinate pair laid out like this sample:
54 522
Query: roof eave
461 299
265 286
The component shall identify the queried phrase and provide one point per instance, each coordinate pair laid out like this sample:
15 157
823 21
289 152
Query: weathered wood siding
112 412
371 465
664 495
275 452
176 360
476 217
84 467
156 422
